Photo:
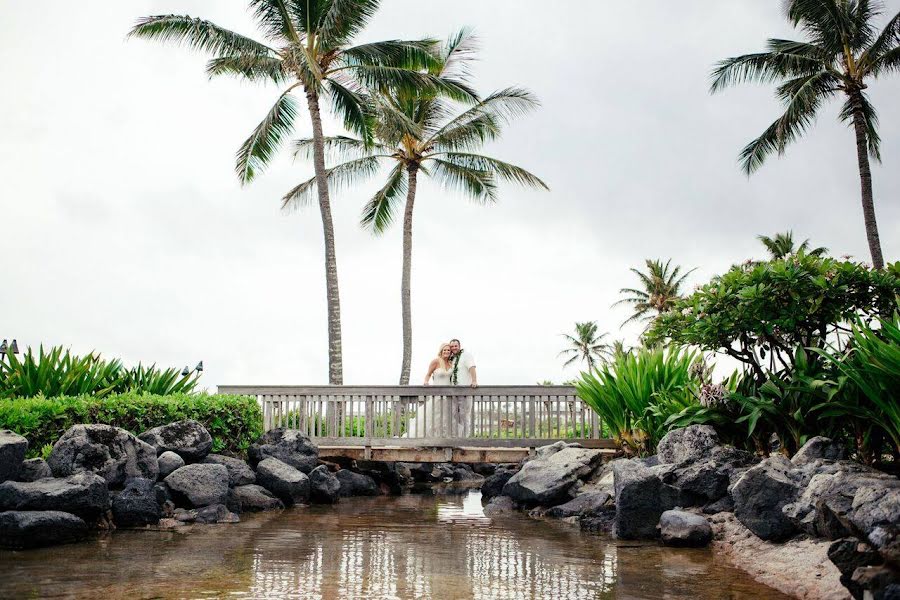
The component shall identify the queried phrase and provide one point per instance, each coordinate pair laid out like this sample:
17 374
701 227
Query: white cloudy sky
125 230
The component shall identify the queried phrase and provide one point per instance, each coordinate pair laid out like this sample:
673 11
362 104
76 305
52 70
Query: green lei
454 376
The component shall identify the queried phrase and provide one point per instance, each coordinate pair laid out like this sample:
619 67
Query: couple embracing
453 366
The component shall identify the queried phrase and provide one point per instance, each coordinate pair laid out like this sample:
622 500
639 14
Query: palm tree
842 53
418 131
307 48
782 245
586 345
661 287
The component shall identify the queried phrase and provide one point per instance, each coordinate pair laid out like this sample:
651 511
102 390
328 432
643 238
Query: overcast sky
126 231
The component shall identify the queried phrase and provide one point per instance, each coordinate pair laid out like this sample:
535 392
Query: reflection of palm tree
660 288
585 345
843 53
782 245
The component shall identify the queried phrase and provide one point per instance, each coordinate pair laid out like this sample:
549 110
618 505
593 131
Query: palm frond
870 118
764 67
256 152
337 147
338 176
503 105
379 212
354 108
275 19
478 185
343 20
198 34
887 41
404 54
503 170
251 67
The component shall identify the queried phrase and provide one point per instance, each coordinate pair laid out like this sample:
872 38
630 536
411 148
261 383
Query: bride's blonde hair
445 363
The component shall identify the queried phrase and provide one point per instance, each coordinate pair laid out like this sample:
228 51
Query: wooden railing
428 416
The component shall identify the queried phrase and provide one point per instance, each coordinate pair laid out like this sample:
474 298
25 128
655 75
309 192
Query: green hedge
234 422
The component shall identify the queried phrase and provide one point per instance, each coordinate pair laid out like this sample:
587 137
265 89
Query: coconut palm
423 132
843 51
660 288
307 48
782 245
587 345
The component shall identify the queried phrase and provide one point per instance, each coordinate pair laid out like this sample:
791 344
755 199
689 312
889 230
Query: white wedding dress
432 418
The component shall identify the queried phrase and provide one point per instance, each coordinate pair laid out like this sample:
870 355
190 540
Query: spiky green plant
57 372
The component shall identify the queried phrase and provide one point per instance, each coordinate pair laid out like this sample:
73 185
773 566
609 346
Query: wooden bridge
429 423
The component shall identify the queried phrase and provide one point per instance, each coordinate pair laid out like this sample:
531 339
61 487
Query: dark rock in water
603 522
169 462
83 494
686 445
356 484
724 504
818 448
136 505
286 482
701 483
546 481
499 506
493 485
216 513
239 472
463 472
848 555
590 504
199 485
233 502
34 469
390 477
324 488
33 529
759 496
188 439
254 498
12 452
290 446
680 528
110 452
484 469
640 499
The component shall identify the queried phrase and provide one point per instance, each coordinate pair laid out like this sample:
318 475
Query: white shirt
466 362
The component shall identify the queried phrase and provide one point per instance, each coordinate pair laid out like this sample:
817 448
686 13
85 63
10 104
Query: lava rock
686 445
876 513
12 452
33 529
701 483
356 484
724 504
324 487
848 555
485 469
602 522
493 485
641 498
588 504
239 472
499 506
83 494
215 513
199 485
188 439
34 469
818 448
760 495
169 462
680 528
290 446
287 483
546 481
110 452
254 498
136 505
463 472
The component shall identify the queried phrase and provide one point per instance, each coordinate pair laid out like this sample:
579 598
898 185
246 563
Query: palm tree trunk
405 300
865 177
335 361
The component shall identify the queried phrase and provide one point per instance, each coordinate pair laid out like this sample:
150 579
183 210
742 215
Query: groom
462 369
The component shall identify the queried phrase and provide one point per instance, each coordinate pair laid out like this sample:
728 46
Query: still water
413 546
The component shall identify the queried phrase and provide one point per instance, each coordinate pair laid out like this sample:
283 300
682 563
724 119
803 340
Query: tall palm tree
308 48
843 52
782 245
420 132
587 345
660 288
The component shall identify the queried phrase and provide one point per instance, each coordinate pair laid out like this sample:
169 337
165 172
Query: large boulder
760 495
641 498
110 452
137 505
169 462
199 485
83 494
188 439
849 554
290 446
818 448
500 506
680 528
12 452
34 469
700 483
324 487
356 484
287 483
239 472
546 481
687 445
493 484
876 514
32 529
254 498
589 504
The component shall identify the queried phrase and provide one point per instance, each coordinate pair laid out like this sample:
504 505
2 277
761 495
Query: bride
439 371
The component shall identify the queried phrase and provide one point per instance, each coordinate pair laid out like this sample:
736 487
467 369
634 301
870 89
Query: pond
411 546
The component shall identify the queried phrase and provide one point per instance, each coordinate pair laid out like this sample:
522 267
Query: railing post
370 416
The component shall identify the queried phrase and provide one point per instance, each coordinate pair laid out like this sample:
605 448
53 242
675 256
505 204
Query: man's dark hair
456 340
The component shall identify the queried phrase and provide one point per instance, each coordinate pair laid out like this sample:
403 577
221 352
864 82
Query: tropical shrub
233 421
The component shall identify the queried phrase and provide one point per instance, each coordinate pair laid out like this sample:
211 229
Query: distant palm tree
782 245
660 288
308 47
419 131
843 52
586 345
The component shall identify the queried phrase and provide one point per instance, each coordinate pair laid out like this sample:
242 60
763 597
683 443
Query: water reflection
402 547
